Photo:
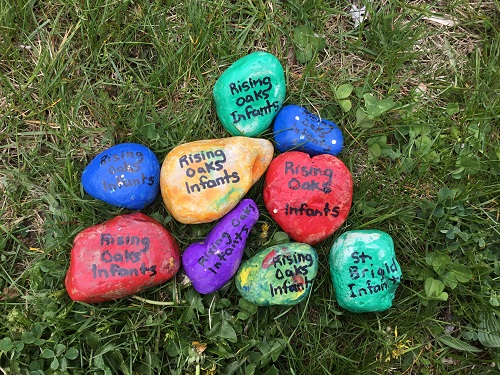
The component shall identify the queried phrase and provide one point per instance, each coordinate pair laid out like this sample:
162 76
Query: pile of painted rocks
307 191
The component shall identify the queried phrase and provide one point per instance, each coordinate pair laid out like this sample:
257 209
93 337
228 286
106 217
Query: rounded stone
126 175
202 181
279 275
309 197
297 129
212 263
121 257
364 270
249 93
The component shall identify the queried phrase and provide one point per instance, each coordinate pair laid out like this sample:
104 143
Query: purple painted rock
121 257
214 262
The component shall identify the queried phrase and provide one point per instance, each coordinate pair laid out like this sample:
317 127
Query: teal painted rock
364 270
279 275
249 94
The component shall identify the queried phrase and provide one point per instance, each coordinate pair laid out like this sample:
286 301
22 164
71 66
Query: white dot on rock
275 210
334 142
297 118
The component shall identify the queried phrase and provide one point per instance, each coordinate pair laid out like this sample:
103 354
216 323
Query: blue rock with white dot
297 129
126 175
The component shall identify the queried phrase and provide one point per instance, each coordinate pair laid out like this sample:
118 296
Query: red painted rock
121 257
308 197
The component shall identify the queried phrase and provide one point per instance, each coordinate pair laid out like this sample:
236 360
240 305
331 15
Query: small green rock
279 275
249 94
364 270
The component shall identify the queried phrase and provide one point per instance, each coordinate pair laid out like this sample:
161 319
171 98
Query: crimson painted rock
364 270
249 94
121 257
126 175
309 197
212 263
202 181
279 275
297 129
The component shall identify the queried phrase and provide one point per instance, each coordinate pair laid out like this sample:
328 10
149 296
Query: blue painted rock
279 275
202 181
309 198
297 129
121 257
249 94
214 262
126 175
364 270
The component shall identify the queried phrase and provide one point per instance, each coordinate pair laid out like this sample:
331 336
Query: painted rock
279 275
308 197
297 129
121 257
202 181
126 175
364 270
249 94
212 263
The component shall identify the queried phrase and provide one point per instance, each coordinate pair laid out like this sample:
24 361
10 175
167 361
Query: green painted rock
249 94
364 270
279 275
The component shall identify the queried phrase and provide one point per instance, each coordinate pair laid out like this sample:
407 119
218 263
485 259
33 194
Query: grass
79 76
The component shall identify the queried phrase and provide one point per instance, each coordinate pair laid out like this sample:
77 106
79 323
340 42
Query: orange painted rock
121 257
308 197
202 181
